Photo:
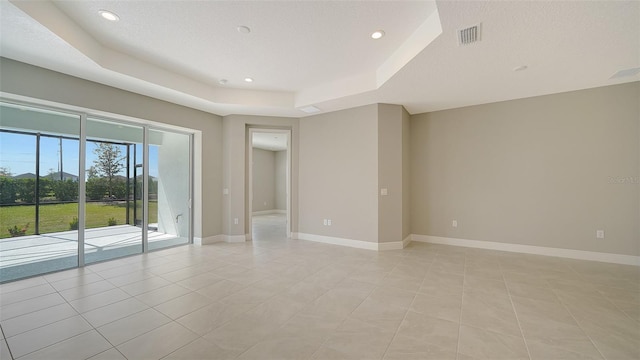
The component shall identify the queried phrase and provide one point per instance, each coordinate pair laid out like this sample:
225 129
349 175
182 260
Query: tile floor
275 298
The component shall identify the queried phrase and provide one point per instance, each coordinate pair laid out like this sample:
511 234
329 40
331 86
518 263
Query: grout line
464 280
269 251
578 324
395 335
606 298
346 317
4 338
515 312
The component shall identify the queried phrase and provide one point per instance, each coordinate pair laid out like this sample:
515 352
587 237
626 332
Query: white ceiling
319 53
270 141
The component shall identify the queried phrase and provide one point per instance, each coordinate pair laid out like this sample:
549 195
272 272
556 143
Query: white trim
359 244
529 249
269 212
82 186
235 238
336 241
145 188
394 245
249 184
209 240
406 241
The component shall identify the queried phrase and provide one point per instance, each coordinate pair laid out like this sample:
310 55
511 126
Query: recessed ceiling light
520 68
378 34
243 29
108 15
223 81
248 79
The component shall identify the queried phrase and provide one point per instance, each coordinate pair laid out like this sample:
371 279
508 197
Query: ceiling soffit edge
47 14
51 17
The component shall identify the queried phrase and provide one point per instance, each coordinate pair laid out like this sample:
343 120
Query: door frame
249 214
85 114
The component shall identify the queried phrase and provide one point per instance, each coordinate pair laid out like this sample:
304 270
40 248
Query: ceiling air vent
469 35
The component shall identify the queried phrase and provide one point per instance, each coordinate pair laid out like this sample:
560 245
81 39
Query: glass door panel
169 189
39 170
112 229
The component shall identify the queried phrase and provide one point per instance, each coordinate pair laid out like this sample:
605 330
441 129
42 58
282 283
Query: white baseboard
394 245
336 241
218 238
406 241
269 212
530 249
359 244
209 240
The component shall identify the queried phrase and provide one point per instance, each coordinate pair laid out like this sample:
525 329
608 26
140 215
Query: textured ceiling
319 52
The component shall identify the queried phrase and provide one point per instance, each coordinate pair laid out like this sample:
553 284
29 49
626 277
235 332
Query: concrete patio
36 254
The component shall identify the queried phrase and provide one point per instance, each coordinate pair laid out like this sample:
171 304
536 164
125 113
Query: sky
18 155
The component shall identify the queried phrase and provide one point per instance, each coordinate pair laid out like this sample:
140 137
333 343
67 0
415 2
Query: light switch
225 191
384 192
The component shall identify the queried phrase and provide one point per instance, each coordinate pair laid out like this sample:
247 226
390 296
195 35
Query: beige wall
264 180
390 171
545 171
281 180
236 144
338 174
38 83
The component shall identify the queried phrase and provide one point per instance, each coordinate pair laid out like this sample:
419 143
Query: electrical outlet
325 222
235 221
599 234
329 222
454 223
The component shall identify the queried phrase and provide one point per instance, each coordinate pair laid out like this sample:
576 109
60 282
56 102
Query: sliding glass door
38 191
77 190
111 207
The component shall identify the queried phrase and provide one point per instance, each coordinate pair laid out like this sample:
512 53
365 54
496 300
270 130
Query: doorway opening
269 203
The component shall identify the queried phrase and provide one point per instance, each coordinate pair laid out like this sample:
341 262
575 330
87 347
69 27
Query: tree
108 164
96 188
65 190
5 172
92 173
27 190
7 190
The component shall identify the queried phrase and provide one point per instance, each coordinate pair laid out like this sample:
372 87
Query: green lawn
56 217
